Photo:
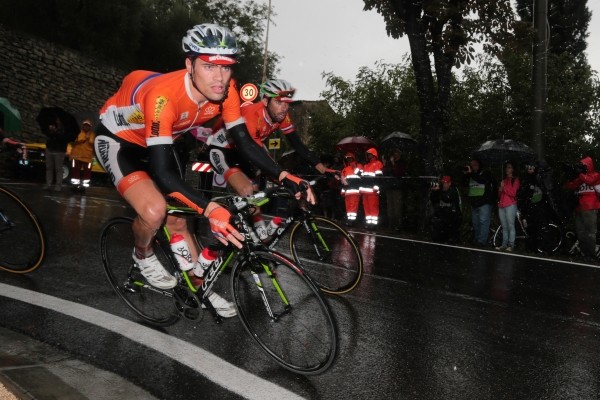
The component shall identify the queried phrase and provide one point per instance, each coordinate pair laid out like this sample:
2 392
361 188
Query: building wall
35 73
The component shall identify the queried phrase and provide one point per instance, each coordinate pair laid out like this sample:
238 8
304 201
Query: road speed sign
248 92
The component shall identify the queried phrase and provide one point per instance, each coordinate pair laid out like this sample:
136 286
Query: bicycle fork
314 232
255 275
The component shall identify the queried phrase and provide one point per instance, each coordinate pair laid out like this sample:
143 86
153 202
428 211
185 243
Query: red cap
446 179
218 59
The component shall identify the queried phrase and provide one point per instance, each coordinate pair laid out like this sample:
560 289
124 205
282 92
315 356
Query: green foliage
379 102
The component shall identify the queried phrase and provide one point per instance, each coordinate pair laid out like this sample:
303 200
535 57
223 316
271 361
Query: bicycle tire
155 306
302 337
328 254
22 238
497 238
549 239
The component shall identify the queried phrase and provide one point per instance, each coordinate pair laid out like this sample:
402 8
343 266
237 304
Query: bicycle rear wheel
22 239
156 306
327 253
549 239
284 312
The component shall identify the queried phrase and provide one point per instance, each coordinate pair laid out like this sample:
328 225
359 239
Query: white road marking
214 368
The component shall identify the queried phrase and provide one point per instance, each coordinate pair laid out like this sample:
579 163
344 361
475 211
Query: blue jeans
480 218
507 217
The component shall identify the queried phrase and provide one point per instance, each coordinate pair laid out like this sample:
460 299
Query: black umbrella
398 140
497 152
48 116
354 144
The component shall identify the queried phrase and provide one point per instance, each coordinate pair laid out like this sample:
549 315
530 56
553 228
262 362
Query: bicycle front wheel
22 239
284 312
156 306
327 252
549 239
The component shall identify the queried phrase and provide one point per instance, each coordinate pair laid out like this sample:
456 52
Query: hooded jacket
584 183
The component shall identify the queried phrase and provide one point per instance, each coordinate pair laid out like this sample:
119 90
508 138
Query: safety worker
350 186
369 189
82 155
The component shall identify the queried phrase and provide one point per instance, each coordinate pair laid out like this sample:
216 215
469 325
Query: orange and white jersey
150 114
259 123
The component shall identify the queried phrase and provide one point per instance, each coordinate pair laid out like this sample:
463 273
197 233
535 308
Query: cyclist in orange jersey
139 123
262 119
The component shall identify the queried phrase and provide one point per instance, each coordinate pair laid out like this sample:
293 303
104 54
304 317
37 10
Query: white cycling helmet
279 89
212 43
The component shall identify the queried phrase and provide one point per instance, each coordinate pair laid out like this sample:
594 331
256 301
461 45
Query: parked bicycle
320 246
548 239
278 304
22 239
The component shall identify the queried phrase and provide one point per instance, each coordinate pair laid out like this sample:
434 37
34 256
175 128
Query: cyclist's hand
298 185
218 218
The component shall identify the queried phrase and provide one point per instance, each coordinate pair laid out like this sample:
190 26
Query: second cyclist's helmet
212 43
278 89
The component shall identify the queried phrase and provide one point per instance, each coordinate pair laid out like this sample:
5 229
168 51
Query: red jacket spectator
585 182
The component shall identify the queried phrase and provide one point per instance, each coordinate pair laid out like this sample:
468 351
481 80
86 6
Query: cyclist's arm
251 151
164 172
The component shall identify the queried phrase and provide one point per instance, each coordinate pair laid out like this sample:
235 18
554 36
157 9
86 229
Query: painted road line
207 364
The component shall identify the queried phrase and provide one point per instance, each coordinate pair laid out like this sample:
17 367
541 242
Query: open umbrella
496 152
354 144
11 117
398 140
49 115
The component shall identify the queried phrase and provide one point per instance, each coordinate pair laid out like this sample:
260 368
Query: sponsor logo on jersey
184 116
155 128
136 117
210 110
119 119
217 161
159 105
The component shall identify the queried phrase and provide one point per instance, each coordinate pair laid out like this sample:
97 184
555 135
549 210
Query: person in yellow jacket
82 155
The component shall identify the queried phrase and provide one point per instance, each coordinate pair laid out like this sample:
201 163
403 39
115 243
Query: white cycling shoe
223 307
154 272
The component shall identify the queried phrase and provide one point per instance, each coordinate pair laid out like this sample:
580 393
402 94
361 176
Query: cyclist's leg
122 159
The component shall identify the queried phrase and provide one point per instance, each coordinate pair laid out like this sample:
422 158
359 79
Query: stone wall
35 74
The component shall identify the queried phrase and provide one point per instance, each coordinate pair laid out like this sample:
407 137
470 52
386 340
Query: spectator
328 189
447 213
585 182
350 187
56 149
369 188
395 167
82 155
481 196
507 206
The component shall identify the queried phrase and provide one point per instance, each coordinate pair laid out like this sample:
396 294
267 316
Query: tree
445 30
141 34
381 100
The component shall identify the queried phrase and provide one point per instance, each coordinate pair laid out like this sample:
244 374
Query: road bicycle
278 304
548 238
22 238
325 250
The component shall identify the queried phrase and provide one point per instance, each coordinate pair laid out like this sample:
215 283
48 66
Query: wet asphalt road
427 322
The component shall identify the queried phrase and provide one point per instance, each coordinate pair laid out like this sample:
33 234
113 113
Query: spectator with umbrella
369 188
350 186
507 206
481 196
58 127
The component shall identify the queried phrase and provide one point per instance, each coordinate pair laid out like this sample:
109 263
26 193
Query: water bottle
182 252
273 225
260 229
205 260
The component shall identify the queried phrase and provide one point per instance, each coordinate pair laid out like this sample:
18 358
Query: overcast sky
316 36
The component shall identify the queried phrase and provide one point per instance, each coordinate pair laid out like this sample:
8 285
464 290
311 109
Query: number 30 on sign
248 92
